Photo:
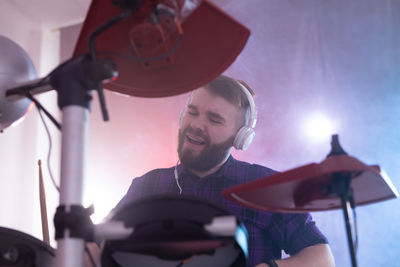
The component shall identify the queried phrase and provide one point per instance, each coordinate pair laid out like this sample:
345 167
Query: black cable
155 20
104 26
144 59
49 151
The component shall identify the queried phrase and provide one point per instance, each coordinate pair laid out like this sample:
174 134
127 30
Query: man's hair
230 90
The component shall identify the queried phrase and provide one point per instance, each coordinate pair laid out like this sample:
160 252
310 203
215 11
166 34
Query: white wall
23 145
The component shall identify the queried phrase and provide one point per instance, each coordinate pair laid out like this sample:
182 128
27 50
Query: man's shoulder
253 166
245 171
160 171
157 173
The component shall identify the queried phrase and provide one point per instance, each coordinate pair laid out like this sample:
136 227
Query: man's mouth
195 140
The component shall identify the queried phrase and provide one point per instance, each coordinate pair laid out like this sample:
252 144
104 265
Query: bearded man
217 117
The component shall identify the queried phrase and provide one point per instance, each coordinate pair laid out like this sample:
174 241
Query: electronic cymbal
311 187
169 54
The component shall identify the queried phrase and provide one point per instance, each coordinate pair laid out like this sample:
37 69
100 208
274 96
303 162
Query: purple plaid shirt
269 233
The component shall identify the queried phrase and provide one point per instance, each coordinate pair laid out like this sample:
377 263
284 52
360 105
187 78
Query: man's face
208 128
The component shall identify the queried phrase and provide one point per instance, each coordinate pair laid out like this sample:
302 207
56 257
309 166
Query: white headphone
246 133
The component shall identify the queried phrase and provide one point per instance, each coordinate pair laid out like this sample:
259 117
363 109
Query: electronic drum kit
170 230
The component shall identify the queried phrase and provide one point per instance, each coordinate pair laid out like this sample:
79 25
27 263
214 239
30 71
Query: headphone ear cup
243 138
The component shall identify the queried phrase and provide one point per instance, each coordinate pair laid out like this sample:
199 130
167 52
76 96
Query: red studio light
165 47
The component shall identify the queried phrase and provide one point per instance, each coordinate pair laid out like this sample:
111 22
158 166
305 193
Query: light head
15 67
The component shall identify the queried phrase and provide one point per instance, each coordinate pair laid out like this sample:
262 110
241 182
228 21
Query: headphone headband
252 106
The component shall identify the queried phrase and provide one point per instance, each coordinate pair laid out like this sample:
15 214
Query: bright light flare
103 197
318 127
20 120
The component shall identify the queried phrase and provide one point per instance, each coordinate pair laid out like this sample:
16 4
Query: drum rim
27 239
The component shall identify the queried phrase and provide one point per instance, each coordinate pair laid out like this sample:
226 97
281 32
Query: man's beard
209 157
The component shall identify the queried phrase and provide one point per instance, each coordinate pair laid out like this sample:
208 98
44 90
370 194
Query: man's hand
314 256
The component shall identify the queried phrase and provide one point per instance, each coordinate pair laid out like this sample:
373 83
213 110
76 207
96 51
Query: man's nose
198 123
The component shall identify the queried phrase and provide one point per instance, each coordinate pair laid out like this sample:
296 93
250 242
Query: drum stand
341 188
73 226
330 184
73 81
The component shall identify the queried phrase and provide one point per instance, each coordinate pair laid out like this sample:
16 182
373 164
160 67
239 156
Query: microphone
15 67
